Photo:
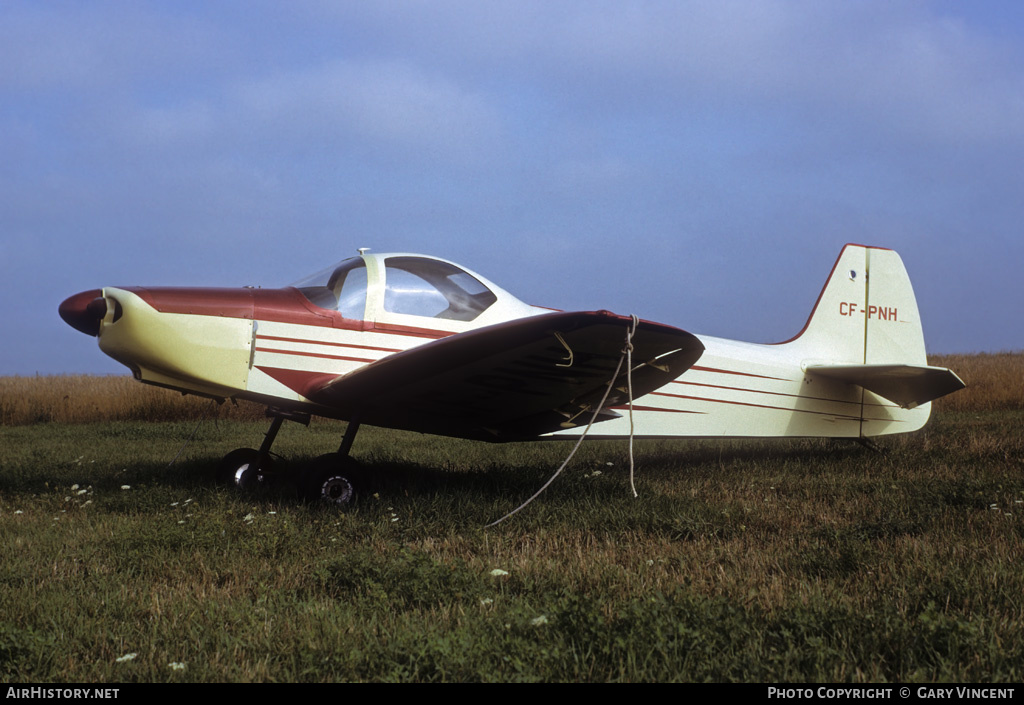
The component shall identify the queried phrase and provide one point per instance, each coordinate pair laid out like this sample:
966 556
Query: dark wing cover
513 380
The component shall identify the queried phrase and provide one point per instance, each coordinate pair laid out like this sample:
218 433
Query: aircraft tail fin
866 313
866 330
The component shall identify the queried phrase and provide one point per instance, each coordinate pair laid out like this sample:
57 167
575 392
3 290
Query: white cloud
391 102
898 66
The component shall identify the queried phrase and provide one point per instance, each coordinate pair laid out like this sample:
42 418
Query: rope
629 387
627 355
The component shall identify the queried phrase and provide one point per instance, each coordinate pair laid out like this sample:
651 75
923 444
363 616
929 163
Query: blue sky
696 163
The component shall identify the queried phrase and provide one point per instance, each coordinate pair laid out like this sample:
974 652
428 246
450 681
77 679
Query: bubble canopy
412 285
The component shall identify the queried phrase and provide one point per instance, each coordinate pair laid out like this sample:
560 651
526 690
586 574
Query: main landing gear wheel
244 470
334 479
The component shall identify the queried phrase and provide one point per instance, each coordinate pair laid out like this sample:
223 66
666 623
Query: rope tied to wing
629 390
627 357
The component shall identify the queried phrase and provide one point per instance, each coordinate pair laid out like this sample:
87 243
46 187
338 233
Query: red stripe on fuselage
733 372
738 403
637 407
304 341
286 305
761 391
322 356
396 329
752 405
303 382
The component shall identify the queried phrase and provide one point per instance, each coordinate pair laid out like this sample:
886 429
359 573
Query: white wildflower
248 517
539 621
126 487
74 487
126 658
80 492
176 666
498 572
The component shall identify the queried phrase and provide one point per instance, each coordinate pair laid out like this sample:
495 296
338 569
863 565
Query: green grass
785 561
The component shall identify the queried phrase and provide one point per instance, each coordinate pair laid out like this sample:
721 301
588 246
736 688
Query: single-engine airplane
418 343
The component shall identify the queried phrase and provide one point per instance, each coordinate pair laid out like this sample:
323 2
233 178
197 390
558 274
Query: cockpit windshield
342 288
418 286
413 286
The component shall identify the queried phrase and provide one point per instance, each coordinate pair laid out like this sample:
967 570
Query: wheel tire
243 470
335 480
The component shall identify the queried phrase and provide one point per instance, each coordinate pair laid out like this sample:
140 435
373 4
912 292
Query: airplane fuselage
418 343
274 346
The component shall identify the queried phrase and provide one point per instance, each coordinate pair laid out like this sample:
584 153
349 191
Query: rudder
866 330
866 313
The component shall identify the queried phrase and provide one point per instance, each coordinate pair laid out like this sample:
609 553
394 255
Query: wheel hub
337 489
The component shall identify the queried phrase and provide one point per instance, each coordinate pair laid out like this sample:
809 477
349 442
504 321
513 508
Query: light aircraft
419 343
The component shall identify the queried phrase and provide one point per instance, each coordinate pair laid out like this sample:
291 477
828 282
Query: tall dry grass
995 381
88 398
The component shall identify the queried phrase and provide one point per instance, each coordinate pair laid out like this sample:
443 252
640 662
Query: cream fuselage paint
747 390
317 349
205 354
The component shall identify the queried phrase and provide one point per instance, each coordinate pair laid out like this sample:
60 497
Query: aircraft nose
84 311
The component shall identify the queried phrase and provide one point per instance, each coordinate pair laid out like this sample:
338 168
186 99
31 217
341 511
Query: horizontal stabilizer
907 385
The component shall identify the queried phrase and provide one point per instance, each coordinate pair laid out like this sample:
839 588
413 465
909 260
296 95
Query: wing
513 380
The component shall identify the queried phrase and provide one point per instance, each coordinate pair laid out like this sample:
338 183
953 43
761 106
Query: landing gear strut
334 479
247 469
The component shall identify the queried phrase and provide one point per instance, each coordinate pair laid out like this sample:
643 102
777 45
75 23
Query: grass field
781 561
